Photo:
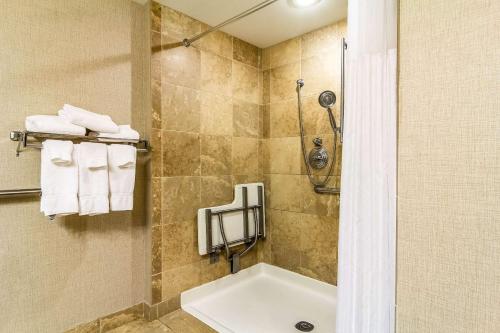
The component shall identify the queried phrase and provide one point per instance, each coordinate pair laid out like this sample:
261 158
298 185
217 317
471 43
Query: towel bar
22 137
26 192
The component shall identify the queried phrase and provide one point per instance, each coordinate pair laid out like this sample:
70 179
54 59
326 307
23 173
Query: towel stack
86 178
73 120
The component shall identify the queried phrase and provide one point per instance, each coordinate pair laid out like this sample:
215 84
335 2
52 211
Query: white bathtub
263 299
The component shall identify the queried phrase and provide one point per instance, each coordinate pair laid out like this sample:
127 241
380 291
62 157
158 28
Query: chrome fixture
342 85
258 216
25 192
188 41
28 139
318 156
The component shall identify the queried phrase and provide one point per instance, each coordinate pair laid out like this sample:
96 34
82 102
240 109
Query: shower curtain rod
188 41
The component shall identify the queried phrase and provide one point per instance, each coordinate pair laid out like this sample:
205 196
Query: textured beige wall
449 169
206 137
303 224
54 275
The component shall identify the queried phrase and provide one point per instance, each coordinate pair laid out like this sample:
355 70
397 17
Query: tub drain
304 326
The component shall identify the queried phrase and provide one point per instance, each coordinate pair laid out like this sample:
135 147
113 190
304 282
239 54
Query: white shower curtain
366 270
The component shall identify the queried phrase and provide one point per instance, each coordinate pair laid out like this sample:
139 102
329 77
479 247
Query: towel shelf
28 139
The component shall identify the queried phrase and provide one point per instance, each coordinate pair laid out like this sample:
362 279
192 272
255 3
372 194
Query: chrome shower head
327 99
300 83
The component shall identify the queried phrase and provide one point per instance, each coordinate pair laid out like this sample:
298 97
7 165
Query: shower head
327 99
300 83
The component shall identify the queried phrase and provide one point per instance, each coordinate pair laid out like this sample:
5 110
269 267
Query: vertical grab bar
245 214
342 87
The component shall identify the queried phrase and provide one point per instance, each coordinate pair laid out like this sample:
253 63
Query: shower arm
188 41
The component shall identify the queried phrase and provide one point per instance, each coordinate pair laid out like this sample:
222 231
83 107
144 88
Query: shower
318 157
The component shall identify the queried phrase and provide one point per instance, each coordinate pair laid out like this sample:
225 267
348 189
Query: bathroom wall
206 137
448 268
55 275
304 225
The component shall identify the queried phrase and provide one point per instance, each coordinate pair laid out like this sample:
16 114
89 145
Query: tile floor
175 322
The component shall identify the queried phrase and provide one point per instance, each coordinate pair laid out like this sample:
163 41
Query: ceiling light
304 3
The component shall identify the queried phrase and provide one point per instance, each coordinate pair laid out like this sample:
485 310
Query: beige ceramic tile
173 304
217 42
216 191
156 55
156 201
156 16
287 52
285 155
283 82
156 250
156 155
319 265
180 245
286 192
216 73
151 312
180 321
179 279
180 108
156 96
325 41
286 229
211 272
323 205
178 25
92 327
245 52
245 83
181 66
180 199
216 152
245 156
246 179
181 153
265 61
284 119
266 121
156 285
266 87
121 318
142 326
286 258
216 114
246 119
320 73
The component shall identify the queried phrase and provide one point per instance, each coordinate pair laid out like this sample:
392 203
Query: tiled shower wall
224 112
206 137
304 225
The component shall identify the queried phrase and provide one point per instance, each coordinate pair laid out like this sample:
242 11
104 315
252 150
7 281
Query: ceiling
271 25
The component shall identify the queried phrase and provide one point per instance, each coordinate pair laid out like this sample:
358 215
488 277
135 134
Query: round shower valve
318 156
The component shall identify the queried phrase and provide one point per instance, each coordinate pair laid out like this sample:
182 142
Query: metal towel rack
28 139
23 139
26 192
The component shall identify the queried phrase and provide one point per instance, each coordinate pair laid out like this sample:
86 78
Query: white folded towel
59 178
93 178
124 132
92 121
52 124
121 163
